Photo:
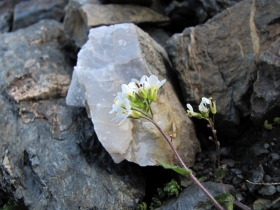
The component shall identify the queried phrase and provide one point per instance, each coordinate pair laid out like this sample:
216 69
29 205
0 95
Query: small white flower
151 85
129 92
118 102
205 100
203 105
122 109
202 108
154 82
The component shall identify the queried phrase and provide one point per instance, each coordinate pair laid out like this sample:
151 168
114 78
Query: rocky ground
50 156
253 156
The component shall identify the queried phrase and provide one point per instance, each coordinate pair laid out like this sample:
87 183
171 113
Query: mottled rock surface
29 12
113 56
265 99
220 58
50 157
83 15
40 70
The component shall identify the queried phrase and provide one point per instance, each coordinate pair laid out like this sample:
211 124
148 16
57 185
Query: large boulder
220 58
113 56
83 15
266 96
50 156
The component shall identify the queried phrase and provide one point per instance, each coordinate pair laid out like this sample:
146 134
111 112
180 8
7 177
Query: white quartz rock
111 57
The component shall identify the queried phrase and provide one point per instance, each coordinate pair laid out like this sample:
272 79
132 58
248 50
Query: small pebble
239 197
275 156
236 180
228 162
267 178
266 145
236 171
240 176
224 151
267 190
258 150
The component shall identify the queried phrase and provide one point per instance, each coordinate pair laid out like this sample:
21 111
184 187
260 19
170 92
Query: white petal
206 100
153 80
125 89
127 104
202 108
190 107
161 83
143 79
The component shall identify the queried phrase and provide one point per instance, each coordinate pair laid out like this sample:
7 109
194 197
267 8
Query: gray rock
159 35
6 14
5 21
213 7
190 13
220 58
32 72
258 150
265 98
113 56
29 12
191 197
82 15
267 190
43 157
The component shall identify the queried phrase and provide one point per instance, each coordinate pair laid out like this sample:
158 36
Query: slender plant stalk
184 166
217 143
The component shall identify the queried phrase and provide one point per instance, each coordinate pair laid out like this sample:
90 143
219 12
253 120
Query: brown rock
83 15
220 58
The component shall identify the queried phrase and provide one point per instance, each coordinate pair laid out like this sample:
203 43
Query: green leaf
177 169
267 126
276 120
141 206
155 203
220 173
202 179
224 199
172 188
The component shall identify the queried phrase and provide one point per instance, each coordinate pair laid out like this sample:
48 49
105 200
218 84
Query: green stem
149 103
184 166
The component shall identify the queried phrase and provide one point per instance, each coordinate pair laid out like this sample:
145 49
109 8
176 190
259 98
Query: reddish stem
184 166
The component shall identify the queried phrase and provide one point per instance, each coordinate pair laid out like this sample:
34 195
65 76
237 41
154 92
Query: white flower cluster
136 98
203 107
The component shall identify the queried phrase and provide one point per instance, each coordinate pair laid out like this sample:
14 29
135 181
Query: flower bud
153 94
135 114
142 93
213 106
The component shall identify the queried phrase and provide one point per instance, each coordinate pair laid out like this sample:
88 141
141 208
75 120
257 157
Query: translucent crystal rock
114 55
